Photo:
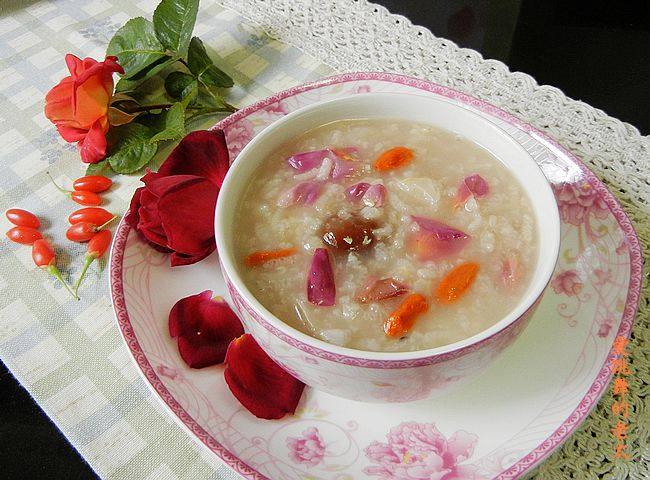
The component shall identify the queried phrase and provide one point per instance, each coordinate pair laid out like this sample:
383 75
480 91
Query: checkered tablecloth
68 354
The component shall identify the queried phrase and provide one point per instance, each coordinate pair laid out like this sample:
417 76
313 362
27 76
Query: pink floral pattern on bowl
355 439
237 136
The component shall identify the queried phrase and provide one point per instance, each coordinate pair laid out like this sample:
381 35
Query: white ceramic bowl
378 376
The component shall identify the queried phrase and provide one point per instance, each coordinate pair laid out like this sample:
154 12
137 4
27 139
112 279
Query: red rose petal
260 384
473 185
321 289
375 196
149 220
356 191
305 161
204 328
71 134
436 240
179 259
343 168
187 216
203 153
158 185
303 193
132 217
93 147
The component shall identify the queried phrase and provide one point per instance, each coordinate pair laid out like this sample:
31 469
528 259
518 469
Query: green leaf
136 46
174 124
132 149
202 66
99 168
173 21
129 84
177 83
190 93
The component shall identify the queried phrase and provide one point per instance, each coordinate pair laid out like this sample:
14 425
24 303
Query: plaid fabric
68 354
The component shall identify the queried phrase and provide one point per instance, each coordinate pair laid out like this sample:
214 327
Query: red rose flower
174 211
78 105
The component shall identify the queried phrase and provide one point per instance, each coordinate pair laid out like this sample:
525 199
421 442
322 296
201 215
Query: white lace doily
355 35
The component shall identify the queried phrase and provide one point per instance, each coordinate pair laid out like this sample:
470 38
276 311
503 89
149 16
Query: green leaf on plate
132 148
174 124
173 21
179 84
136 46
201 65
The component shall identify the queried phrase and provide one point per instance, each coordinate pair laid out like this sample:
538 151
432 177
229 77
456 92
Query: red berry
81 232
92 183
99 243
94 215
85 198
82 197
45 258
43 253
22 218
96 248
24 235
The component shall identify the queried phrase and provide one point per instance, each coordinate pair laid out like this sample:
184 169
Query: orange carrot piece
394 158
456 282
403 317
258 258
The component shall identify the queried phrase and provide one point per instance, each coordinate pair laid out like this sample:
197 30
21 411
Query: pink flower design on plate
576 201
166 371
308 448
362 89
602 276
567 283
237 136
418 451
605 325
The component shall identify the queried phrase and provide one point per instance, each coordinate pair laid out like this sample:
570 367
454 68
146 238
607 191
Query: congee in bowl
386 235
